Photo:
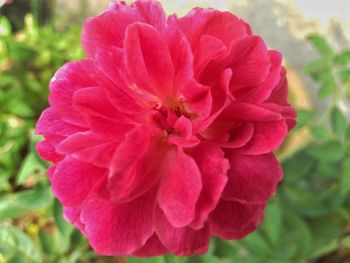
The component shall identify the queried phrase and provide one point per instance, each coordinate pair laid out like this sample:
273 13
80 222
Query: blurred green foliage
307 219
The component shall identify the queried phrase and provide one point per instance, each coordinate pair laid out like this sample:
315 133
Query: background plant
309 217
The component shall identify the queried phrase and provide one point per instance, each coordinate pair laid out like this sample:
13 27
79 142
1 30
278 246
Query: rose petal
213 167
233 220
117 229
73 180
87 147
267 137
136 164
252 179
51 123
182 241
152 248
149 61
68 79
250 63
221 25
47 151
180 188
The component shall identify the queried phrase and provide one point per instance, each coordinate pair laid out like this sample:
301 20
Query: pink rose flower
164 135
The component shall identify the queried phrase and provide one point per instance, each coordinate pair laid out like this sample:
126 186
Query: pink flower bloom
164 135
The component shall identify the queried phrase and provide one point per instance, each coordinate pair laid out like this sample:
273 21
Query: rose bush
164 135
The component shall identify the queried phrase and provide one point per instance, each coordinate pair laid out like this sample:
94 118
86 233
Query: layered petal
233 220
73 180
48 152
180 187
222 25
152 248
149 61
68 79
267 137
183 241
108 29
136 165
87 147
252 179
117 229
213 167
250 63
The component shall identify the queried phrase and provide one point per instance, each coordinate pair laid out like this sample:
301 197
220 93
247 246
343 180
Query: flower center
165 117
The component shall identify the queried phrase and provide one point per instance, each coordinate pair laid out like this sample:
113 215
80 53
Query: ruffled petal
51 123
149 61
260 93
117 229
108 29
197 100
73 180
102 117
233 220
152 248
252 179
183 241
180 188
181 53
136 164
87 147
249 112
213 167
221 25
251 65
48 152
267 137
72 215
68 79
279 95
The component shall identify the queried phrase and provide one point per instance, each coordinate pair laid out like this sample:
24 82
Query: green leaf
52 241
12 239
304 201
21 52
299 233
345 178
16 204
297 166
256 244
342 58
321 45
65 228
317 67
344 75
327 88
327 152
347 89
304 117
338 121
30 167
5 27
272 223
147 260
324 231
320 133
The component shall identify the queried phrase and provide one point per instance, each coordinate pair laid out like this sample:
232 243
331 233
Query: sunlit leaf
304 118
22 247
272 224
30 167
338 121
15 204
342 58
321 45
328 152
